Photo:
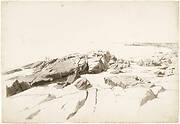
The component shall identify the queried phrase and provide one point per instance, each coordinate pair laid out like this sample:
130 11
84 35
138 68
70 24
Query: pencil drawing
90 62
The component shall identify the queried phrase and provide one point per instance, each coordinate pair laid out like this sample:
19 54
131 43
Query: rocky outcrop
17 87
155 61
59 69
55 71
85 92
112 60
98 61
118 66
67 69
82 84
69 80
33 65
165 71
95 65
124 81
135 81
115 81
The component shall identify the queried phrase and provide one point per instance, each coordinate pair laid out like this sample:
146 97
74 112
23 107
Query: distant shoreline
167 45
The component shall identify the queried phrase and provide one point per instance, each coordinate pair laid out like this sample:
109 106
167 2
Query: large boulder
125 81
69 80
17 87
95 65
66 69
62 68
112 60
115 68
98 61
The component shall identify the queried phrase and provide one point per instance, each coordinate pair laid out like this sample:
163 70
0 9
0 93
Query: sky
34 30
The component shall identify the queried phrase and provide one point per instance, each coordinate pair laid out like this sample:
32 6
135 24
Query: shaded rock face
115 81
148 96
134 81
166 71
157 89
67 69
59 69
82 84
95 65
151 94
55 71
87 94
116 68
17 87
126 81
112 60
79 105
142 83
69 80
98 61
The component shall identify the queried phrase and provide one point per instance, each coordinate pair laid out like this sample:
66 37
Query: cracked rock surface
92 87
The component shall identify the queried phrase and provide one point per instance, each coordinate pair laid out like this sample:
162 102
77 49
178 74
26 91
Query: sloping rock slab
69 80
122 81
148 97
60 69
151 94
157 89
125 81
17 87
115 81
